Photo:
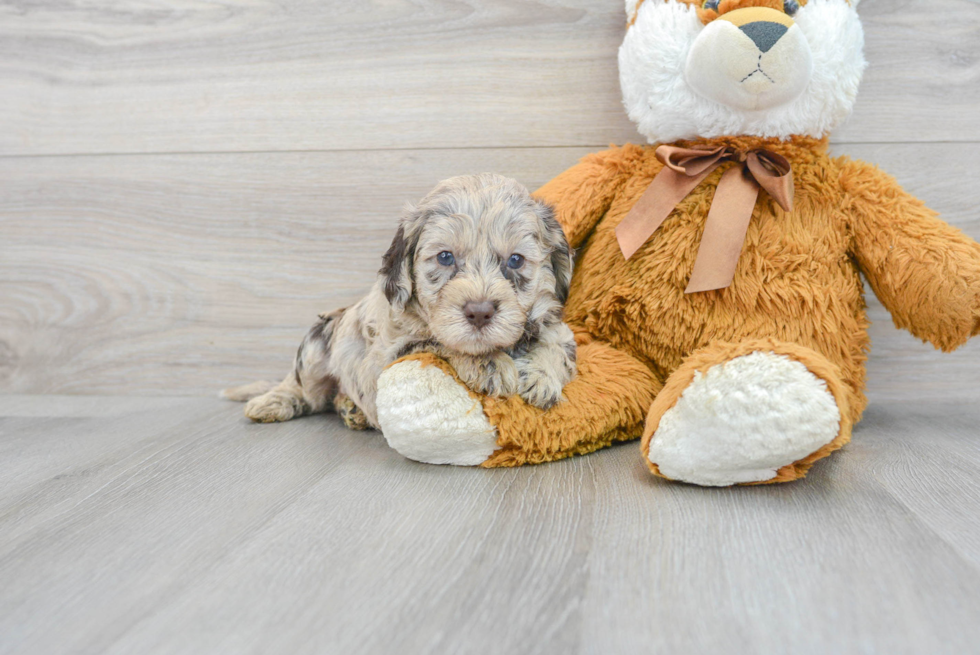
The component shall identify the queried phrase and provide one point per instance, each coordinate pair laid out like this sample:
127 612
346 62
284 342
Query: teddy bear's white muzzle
750 65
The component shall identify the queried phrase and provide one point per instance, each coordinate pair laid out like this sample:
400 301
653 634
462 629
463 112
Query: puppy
477 273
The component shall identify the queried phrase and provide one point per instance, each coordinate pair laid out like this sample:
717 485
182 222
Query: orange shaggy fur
797 292
725 6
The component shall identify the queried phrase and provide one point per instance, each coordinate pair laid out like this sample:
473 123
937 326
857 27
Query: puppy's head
481 262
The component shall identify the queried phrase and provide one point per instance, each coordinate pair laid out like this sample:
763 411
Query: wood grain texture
188 273
273 75
175 268
185 529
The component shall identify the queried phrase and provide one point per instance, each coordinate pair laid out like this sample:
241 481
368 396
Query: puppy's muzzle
478 314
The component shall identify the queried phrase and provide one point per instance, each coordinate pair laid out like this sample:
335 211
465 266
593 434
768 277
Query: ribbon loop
731 209
773 173
690 161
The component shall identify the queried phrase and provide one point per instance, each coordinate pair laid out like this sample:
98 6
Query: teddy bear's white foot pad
427 416
741 421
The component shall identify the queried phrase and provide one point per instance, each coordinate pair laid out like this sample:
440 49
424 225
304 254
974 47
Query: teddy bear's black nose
764 33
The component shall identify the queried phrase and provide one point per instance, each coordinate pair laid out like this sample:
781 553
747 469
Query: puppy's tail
246 391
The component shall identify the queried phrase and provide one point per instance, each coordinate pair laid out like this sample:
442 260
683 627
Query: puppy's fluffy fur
456 247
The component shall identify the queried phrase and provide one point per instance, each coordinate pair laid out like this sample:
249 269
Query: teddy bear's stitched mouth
758 70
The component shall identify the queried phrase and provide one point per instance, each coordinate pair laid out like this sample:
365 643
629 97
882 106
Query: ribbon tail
666 190
724 231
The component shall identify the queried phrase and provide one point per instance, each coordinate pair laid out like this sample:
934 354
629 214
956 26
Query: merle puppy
477 273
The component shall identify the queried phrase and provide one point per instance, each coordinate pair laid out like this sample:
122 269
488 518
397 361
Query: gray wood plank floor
167 525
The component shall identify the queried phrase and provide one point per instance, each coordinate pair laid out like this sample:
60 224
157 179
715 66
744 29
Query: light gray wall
184 186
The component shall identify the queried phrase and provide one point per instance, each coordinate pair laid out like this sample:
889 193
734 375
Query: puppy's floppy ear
561 254
397 265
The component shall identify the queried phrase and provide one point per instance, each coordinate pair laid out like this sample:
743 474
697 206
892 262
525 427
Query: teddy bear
717 300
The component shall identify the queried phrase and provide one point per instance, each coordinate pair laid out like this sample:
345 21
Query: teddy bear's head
768 68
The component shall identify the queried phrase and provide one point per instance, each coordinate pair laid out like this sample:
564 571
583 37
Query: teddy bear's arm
582 194
925 272
427 414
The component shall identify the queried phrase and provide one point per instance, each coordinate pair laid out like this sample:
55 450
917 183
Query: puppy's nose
764 33
479 313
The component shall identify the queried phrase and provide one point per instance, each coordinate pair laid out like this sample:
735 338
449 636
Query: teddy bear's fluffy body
798 292
746 384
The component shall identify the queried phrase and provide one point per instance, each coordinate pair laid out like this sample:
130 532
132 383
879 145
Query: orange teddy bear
717 299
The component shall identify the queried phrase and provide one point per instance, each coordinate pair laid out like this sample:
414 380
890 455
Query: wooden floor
185 184
172 525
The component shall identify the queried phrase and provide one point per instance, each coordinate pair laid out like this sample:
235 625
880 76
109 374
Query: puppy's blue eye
791 7
446 258
710 4
515 261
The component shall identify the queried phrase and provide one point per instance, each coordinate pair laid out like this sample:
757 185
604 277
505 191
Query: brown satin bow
731 208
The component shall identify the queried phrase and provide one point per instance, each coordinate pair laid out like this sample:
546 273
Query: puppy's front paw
493 376
498 377
540 388
274 406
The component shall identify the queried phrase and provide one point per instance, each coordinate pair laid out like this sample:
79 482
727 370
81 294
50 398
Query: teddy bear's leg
754 412
426 413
